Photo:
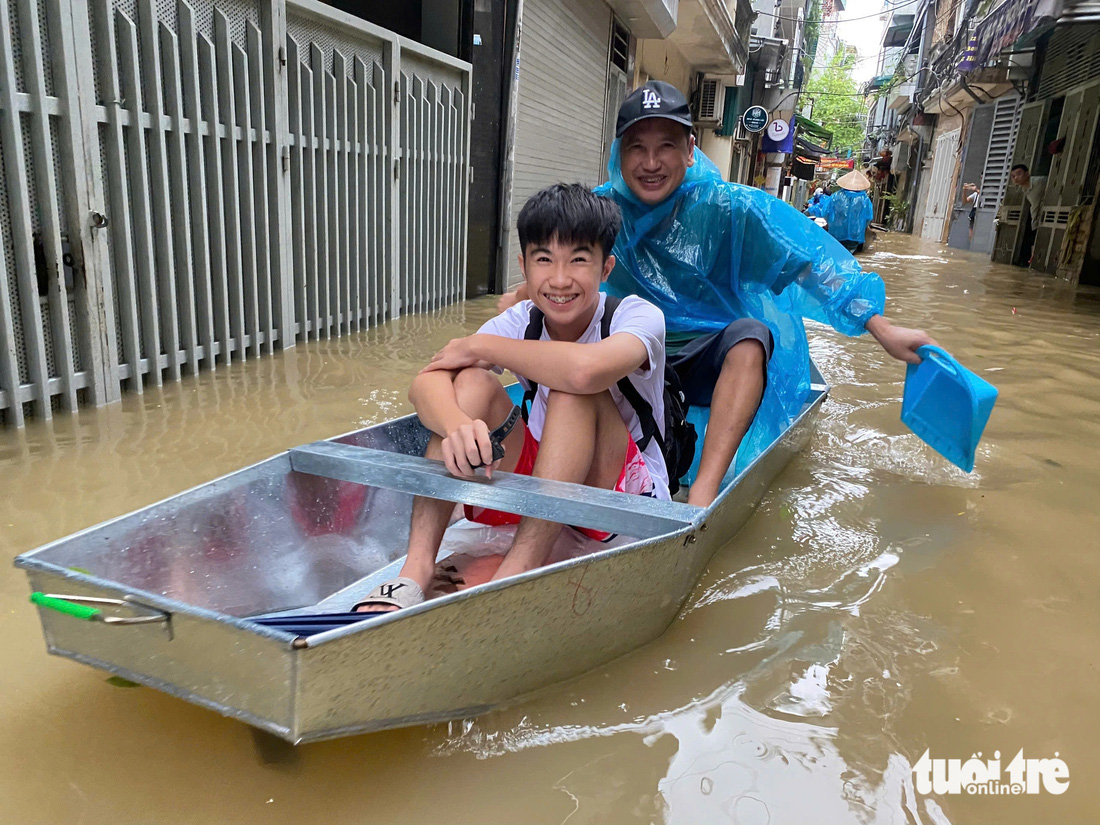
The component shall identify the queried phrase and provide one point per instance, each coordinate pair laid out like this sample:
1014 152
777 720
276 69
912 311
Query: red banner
836 163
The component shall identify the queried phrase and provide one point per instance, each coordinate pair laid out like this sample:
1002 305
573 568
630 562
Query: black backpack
678 444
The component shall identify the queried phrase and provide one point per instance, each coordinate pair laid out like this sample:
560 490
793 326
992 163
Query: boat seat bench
576 504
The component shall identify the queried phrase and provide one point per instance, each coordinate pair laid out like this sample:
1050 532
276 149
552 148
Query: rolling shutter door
560 102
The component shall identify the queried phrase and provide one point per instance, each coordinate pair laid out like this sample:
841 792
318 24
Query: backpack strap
644 410
642 407
532 333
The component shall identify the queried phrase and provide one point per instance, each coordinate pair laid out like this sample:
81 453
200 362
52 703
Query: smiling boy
580 428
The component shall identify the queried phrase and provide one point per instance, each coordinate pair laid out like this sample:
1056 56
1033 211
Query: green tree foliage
837 103
811 34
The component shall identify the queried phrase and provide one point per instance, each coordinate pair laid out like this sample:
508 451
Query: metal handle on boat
81 607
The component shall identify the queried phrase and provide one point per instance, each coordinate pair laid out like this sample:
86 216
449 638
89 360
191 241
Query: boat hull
453 657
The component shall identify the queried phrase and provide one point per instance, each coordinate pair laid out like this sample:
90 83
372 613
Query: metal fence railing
194 183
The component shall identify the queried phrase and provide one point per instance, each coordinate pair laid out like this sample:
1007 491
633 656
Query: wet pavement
879 604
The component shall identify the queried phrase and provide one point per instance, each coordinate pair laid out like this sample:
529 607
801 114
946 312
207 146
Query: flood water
878 604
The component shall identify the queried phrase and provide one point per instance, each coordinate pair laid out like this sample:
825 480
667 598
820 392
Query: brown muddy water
879 603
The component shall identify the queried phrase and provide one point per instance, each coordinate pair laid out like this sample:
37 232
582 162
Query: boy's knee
575 407
559 400
476 389
474 379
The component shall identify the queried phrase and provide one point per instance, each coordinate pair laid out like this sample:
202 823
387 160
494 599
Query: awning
897 33
1012 24
809 149
807 126
876 83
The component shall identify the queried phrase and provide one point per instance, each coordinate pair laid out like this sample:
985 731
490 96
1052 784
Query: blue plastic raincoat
848 214
817 204
714 251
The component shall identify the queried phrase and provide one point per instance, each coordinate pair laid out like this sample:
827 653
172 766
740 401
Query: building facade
979 88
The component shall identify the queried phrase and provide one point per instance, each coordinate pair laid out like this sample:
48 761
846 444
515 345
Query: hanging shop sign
778 130
755 118
836 163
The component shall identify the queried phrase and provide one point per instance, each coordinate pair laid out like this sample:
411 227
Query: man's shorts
634 479
699 362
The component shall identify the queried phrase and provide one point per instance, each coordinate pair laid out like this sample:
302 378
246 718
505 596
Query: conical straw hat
854 181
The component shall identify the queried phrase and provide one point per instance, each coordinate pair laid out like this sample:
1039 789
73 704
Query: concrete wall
660 60
719 149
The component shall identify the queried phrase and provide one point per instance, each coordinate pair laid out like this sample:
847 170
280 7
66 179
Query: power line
861 94
845 19
830 66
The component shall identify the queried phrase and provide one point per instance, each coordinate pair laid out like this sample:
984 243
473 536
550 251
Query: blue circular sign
755 118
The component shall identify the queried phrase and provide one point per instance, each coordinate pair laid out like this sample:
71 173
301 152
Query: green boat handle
81 607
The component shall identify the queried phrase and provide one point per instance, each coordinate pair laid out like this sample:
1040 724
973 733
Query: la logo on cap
650 100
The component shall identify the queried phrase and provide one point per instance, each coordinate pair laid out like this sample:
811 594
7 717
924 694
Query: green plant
899 207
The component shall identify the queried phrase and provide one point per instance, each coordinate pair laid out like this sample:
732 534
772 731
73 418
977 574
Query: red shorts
634 479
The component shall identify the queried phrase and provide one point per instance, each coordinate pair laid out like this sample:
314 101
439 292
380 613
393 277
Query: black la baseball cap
655 99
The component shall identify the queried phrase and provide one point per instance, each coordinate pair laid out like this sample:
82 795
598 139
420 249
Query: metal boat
165 593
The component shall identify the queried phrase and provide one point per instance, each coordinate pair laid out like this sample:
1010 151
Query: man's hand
467 448
510 299
457 355
900 342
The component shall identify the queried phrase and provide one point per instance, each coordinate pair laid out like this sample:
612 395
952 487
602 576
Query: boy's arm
433 396
581 369
465 440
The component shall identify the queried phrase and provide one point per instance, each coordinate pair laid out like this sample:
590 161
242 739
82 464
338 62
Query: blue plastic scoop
946 405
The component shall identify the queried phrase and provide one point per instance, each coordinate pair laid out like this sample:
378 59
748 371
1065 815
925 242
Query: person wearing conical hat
849 210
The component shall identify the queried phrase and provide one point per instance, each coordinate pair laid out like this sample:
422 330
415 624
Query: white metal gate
193 183
939 185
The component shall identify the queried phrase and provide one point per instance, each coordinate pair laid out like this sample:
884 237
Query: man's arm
900 342
826 283
581 369
510 299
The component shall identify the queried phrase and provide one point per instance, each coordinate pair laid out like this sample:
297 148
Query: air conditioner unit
709 101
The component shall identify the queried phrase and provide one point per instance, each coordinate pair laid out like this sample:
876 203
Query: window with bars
620 46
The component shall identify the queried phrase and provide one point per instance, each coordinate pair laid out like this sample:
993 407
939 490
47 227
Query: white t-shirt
642 320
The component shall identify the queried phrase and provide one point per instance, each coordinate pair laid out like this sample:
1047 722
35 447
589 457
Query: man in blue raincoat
818 199
848 211
734 270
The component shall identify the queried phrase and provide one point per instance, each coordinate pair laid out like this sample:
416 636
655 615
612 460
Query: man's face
655 155
563 280
1019 177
